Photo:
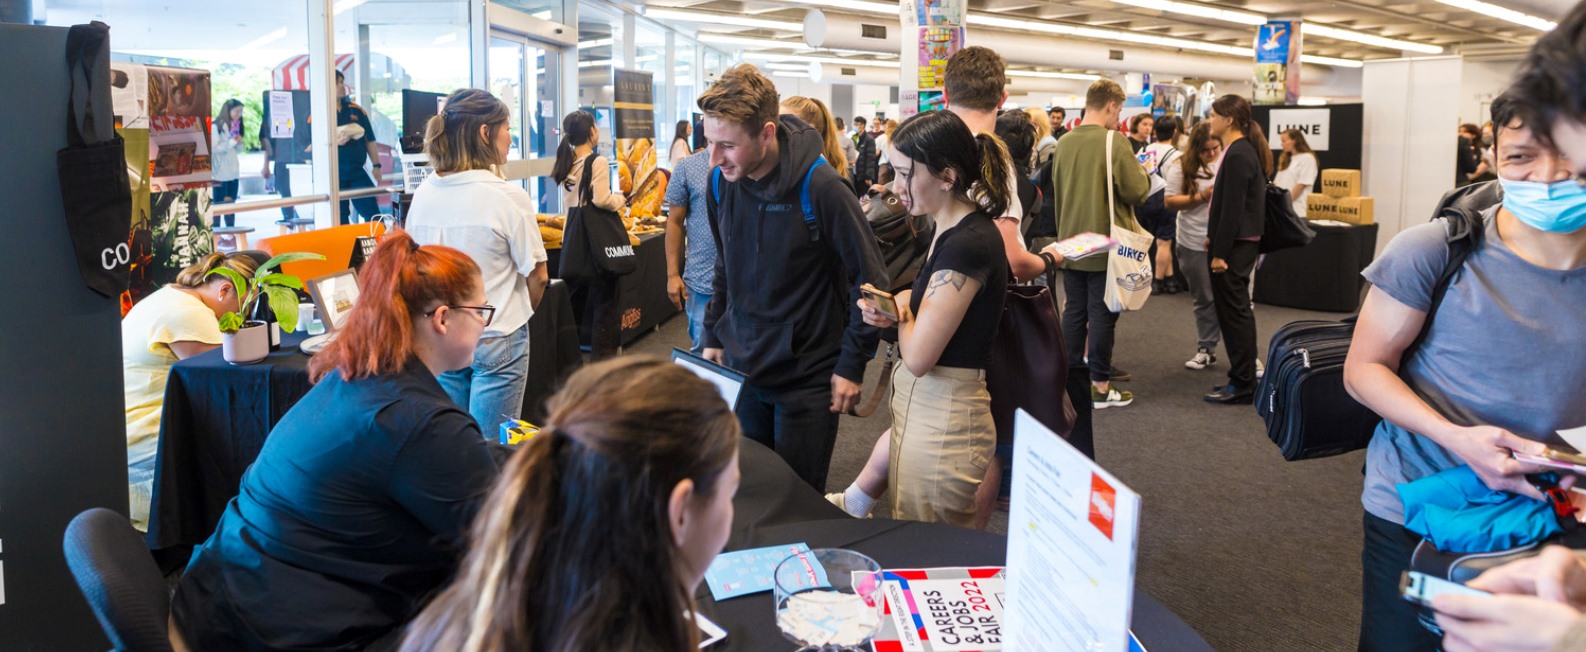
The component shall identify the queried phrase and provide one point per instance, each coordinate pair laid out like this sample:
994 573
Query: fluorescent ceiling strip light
606 63
787 66
1052 75
727 39
854 5
265 40
786 73
722 19
1328 31
597 43
1330 61
1502 13
1199 11
764 56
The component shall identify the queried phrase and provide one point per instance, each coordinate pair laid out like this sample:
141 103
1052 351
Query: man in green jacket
1079 201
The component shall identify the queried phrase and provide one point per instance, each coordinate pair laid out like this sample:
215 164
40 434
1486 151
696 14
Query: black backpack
1283 228
1302 399
1044 224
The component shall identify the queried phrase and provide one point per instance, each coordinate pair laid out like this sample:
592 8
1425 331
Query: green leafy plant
277 288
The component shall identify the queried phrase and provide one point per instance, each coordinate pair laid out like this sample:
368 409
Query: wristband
1051 262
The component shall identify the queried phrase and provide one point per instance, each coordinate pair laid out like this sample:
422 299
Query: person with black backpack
1499 372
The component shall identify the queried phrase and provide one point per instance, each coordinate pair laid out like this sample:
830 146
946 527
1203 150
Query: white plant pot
246 346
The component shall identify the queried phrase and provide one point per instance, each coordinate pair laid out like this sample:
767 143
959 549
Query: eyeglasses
486 312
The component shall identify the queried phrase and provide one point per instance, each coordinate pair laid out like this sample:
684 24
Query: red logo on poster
1103 500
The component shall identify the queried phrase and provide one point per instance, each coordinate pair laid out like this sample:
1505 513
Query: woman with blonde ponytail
354 510
176 322
943 437
813 112
600 529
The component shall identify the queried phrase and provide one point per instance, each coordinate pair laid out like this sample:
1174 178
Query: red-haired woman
350 515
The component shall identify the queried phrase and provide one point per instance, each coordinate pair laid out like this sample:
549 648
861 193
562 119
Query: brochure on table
1072 535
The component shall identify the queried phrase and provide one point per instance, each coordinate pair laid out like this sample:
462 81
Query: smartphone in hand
1420 588
882 300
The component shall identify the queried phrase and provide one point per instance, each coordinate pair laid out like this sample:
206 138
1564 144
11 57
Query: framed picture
334 296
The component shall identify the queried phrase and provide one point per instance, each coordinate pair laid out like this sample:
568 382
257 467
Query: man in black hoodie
785 305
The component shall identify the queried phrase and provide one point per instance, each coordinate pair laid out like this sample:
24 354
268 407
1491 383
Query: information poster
633 104
1277 74
1072 537
280 113
937 45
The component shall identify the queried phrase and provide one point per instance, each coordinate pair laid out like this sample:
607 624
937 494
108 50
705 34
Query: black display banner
633 104
1334 131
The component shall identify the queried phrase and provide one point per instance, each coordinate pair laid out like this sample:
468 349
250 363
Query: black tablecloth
216 417
642 293
1323 275
774 507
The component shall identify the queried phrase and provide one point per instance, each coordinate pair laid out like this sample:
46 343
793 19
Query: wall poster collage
163 114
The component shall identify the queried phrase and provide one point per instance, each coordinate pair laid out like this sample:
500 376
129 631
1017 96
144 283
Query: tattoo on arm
943 278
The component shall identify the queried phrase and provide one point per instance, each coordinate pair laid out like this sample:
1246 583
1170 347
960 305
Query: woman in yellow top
176 322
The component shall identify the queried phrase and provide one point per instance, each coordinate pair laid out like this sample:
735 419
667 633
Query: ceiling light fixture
1502 13
854 5
1052 75
1199 11
789 73
728 39
1331 61
1328 31
721 19
874 63
265 40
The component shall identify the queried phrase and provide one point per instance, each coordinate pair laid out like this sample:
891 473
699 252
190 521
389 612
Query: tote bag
95 192
594 243
1129 263
1028 367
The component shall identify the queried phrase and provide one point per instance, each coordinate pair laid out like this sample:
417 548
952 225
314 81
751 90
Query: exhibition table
771 507
216 417
642 294
1323 275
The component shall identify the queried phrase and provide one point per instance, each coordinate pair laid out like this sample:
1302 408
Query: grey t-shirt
1506 349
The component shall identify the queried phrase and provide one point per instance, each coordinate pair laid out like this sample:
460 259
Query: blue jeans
695 309
492 389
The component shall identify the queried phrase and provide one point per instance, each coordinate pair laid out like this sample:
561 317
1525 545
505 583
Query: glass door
523 73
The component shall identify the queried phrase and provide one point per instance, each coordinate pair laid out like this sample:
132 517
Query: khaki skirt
942 440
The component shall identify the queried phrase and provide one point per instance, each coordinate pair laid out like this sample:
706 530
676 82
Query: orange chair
334 243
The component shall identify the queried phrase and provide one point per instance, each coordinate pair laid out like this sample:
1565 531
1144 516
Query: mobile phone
1557 459
884 301
1420 588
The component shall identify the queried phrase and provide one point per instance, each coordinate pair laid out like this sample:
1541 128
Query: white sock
856 502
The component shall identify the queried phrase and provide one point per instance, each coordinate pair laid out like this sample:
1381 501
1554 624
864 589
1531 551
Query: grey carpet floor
1253 552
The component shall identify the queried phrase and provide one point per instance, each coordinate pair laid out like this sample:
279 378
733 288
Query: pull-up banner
633 104
1277 78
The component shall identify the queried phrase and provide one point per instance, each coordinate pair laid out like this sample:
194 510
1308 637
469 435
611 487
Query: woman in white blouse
1297 168
580 134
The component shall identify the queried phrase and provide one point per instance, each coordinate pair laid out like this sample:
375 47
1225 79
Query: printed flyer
942 610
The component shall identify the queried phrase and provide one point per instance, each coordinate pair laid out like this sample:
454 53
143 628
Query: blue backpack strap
715 184
805 202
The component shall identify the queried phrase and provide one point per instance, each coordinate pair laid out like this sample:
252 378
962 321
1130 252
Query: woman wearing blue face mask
1500 371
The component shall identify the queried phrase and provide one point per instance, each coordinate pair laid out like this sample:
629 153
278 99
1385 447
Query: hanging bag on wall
594 243
95 190
1128 265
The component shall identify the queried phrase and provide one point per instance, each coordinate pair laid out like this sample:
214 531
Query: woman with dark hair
680 147
225 137
574 155
601 528
1235 224
943 438
1297 168
1189 191
468 206
1141 127
353 510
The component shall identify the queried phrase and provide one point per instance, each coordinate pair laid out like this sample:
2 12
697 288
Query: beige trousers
942 439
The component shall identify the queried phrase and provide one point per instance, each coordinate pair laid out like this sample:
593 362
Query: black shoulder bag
594 242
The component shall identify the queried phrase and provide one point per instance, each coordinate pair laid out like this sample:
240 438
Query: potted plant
246 341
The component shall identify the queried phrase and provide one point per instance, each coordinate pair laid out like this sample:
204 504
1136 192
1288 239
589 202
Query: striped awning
292 74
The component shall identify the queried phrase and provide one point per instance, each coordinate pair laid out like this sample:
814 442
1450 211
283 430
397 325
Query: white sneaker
1203 359
1261 369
